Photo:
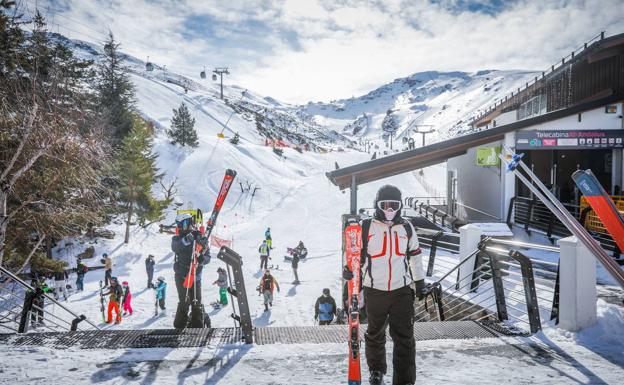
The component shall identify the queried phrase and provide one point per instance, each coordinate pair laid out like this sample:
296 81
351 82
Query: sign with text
569 139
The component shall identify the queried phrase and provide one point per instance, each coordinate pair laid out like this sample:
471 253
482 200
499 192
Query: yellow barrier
592 222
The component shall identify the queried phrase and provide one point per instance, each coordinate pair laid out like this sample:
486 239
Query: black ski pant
108 274
396 309
324 322
264 261
150 277
182 313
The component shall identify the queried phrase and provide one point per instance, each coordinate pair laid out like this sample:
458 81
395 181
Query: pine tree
182 130
138 173
115 90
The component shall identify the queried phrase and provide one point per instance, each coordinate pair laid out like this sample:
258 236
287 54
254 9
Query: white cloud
301 50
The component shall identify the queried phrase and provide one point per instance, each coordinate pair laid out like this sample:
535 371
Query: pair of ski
352 249
201 248
597 198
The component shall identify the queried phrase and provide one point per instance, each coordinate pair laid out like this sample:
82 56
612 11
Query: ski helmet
184 221
388 203
114 279
125 283
161 279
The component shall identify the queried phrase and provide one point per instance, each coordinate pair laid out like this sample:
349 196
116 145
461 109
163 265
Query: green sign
488 156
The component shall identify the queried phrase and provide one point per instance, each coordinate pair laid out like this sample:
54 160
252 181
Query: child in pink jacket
127 298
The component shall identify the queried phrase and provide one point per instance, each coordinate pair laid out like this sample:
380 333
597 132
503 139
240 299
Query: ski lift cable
58 12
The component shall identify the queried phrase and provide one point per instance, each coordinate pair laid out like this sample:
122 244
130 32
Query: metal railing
532 214
24 308
434 214
504 285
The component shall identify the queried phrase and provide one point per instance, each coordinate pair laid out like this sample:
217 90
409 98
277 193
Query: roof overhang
439 152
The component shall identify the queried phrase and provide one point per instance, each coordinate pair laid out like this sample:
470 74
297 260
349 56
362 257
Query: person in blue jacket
160 288
325 308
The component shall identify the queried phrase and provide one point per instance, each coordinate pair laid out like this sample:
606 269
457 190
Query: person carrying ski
325 308
160 288
36 314
126 299
81 270
188 243
301 250
108 269
149 268
264 251
267 237
223 285
267 285
393 276
116 295
295 264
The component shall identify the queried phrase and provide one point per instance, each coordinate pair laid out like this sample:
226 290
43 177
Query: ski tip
515 159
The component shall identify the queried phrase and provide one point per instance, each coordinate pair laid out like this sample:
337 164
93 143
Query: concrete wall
477 186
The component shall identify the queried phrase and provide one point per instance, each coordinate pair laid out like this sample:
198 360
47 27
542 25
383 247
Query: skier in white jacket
392 277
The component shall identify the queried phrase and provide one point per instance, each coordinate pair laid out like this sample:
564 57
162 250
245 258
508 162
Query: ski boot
266 307
376 378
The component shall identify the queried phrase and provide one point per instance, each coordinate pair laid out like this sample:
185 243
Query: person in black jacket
182 245
295 264
149 267
325 308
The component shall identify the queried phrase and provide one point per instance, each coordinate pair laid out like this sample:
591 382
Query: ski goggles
184 223
389 204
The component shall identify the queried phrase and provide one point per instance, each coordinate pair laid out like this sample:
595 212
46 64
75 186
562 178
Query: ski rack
542 192
232 259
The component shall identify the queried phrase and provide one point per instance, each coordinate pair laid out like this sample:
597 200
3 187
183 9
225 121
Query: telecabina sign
569 139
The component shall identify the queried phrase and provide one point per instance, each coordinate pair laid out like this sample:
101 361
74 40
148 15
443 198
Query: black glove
316 317
347 274
420 289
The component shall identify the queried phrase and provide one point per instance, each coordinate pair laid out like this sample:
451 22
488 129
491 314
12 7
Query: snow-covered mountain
442 101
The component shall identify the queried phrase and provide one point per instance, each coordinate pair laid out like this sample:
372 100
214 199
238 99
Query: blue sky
311 50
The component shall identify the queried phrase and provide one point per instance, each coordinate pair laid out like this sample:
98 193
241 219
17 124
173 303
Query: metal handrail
524 245
27 286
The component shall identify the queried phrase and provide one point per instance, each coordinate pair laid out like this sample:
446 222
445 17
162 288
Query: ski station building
569 118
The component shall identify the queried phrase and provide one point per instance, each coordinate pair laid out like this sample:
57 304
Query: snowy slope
443 100
294 198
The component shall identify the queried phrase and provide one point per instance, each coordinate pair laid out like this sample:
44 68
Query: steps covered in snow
172 338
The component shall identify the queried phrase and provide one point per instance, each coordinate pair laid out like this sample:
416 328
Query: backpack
266 283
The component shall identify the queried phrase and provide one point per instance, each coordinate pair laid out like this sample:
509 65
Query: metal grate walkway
172 338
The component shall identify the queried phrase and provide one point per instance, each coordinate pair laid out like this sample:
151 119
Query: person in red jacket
267 285
392 276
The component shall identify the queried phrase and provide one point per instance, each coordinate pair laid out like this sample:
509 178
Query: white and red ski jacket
391 260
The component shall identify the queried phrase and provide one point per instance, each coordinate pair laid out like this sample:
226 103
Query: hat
326 291
125 283
161 278
114 279
104 255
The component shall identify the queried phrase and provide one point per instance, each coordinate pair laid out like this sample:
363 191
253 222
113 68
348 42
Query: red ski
353 246
602 204
198 247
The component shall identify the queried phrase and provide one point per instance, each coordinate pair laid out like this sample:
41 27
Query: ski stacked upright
203 248
102 303
601 203
353 247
